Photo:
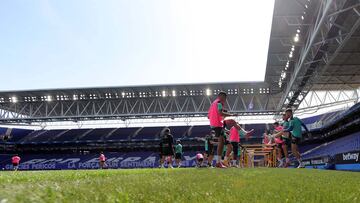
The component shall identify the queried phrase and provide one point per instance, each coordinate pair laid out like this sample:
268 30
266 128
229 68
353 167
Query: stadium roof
314 45
189 100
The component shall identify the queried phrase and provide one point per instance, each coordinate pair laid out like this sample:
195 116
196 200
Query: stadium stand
115 134
338 136
341 145
316 122
339 133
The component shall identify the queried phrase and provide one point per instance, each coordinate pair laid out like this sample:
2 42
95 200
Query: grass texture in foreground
181 185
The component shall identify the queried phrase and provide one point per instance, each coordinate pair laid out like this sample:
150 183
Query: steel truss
131 108
185 108
324 99
334 24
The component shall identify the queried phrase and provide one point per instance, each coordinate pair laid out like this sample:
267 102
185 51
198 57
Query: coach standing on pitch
216 116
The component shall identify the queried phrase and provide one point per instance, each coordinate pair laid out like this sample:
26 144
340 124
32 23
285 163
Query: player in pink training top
102 160
199 160
267 138
235 133
15 160
216 115
279 144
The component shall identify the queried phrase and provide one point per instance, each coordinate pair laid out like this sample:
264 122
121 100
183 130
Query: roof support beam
316 56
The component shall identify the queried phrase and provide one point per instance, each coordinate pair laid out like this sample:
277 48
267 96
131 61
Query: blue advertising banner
91 161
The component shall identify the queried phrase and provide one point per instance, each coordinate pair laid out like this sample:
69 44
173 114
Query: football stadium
201 131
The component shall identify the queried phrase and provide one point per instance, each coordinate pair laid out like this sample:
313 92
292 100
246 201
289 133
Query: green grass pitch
181 185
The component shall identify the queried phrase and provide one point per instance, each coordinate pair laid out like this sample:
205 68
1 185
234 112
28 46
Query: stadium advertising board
114 160
348 158
316 161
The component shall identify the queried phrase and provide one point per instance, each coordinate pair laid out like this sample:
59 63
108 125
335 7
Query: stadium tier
330 124
114 134
342 145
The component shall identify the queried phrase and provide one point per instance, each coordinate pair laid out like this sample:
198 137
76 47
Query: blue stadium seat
96 134
179 131
18 134
148 133
198 131
122 134
341 145
70 135
44 135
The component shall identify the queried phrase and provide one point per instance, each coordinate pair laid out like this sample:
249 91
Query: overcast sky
87 43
